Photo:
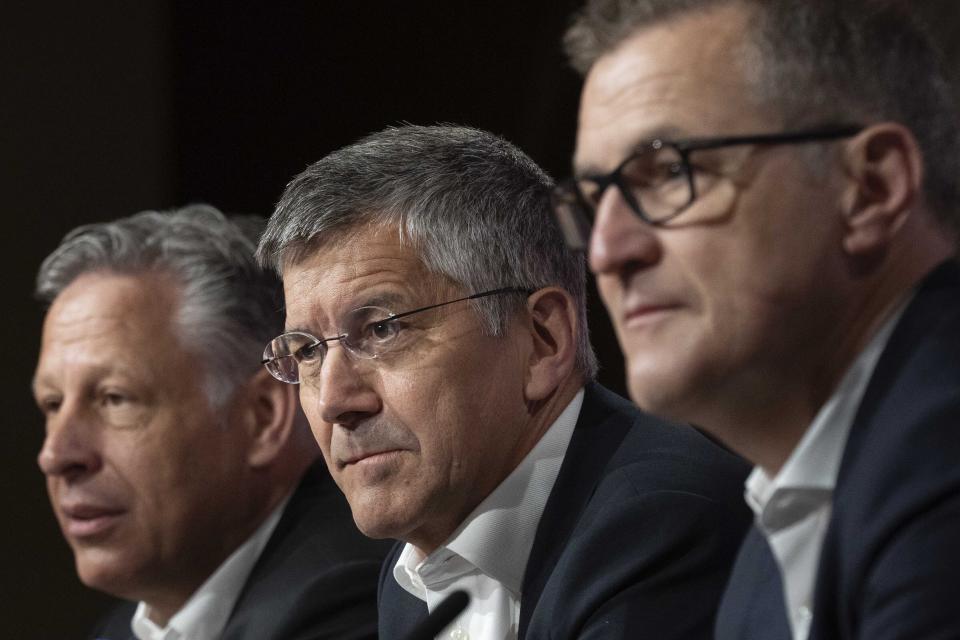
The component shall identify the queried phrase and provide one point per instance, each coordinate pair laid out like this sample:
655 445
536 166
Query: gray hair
474 207
230 307
818 62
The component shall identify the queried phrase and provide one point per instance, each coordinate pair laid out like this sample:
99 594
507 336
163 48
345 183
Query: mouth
641 314
370 458
86 521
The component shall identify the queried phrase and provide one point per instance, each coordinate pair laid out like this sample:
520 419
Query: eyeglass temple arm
828 133
483 294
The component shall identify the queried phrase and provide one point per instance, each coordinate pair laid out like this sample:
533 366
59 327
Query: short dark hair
475 208
819 61
229 308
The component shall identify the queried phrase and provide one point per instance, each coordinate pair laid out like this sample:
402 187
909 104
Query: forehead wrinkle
95 339
361 280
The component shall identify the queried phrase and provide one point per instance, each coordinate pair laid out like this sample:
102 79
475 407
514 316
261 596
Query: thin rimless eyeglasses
366 332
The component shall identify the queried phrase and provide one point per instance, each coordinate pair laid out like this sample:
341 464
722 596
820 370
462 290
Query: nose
70 448
341 391
621 240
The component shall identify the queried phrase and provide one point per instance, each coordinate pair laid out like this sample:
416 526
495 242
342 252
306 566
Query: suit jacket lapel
292 514
937 294
399 612
753 606
595 438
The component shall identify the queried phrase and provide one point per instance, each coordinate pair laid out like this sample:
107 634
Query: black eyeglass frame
684 147
322 342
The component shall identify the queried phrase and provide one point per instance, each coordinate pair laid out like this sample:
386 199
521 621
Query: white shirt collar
809 476
497 536
205 614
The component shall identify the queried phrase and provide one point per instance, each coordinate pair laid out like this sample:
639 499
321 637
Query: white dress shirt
205 614
487 555
793 509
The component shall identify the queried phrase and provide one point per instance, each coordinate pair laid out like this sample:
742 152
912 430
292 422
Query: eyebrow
388 299
666 133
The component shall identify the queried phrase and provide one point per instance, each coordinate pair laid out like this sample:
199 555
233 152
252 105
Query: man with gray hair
181 474
773 186
436 327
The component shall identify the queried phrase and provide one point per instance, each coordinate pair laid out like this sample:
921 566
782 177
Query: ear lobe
553 328
886 170
270 410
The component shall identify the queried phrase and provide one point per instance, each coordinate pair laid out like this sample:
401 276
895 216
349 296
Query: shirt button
459 634
804 614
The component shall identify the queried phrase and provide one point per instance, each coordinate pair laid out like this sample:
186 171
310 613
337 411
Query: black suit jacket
316 576
891 555
636 539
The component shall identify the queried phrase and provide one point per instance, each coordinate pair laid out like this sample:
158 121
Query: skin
152 487
418 438
742 314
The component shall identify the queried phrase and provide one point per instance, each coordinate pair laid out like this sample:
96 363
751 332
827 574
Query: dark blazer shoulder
896 515
639 531
399 611
316 577
115 625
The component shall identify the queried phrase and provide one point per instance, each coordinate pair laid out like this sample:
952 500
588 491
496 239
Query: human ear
553 325
269 408
885 167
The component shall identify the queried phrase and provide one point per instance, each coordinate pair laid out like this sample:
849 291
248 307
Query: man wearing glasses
182 475
436 328
772 190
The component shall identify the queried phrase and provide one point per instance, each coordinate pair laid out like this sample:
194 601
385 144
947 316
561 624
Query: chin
376 519
378 527
110 577
657 395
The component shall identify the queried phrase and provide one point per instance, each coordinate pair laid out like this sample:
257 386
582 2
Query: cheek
609 288
479 413
179 463
322 434
320 429
438 410
53 490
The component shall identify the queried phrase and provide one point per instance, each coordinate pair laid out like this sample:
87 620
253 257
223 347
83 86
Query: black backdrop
113 107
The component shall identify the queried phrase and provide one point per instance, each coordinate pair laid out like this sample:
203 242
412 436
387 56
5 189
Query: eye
667 171
113 398
310 352
49 404
382 330
370 332
652 172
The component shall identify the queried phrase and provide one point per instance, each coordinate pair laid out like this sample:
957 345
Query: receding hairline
159 281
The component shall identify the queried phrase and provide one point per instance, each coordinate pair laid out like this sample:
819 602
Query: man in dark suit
773 192
182 474
436 328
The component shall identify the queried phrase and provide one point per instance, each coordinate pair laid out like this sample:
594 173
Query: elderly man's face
141 471
714 309
416 438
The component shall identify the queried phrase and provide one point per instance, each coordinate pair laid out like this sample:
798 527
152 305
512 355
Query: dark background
110 108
